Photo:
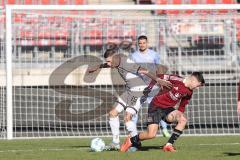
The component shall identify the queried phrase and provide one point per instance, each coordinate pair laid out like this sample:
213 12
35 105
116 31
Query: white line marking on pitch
217 144
47 149
88 148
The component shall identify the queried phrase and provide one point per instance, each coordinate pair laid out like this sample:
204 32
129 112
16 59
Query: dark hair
199 77
142 37
109 52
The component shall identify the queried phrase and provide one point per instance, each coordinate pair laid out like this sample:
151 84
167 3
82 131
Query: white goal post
228 45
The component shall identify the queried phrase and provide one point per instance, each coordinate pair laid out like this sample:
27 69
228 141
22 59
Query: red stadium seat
208 2
161 2
191 2
25 42
60 42
79 2
18 18
44 34
238 29
62 2
28 2
68 19
2 19
45 2
10 1
92 33
174 11
226 2
26 34
60 34
2 3
44 42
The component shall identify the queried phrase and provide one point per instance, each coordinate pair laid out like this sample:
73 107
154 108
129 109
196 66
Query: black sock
176 133
135 141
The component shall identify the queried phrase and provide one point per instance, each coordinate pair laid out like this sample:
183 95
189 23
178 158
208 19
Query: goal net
45 53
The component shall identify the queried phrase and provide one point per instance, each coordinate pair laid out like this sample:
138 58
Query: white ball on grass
97 145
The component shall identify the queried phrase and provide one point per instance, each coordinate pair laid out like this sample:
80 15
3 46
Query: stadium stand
52 37
61 34
44 2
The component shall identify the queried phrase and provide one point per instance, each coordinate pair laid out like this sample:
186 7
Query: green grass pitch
188 148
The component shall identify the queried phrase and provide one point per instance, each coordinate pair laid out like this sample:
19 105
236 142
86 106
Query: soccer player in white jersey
150 60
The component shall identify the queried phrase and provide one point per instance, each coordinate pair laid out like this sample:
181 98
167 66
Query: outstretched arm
161 82
95 68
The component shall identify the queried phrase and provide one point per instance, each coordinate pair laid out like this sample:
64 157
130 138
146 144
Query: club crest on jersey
176 88
175 96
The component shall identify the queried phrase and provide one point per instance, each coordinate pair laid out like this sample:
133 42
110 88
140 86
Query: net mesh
59 45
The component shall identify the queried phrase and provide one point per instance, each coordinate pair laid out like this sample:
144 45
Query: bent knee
113 113
127 117
183 120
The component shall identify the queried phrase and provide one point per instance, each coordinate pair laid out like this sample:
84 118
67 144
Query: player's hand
92 69
164 83
238 107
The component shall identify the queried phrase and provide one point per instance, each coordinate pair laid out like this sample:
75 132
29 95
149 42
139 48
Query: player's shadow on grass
147 148
231 154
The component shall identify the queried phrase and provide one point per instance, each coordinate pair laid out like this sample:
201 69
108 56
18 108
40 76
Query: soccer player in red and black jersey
162 108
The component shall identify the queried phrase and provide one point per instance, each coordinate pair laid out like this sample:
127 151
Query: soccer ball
97 145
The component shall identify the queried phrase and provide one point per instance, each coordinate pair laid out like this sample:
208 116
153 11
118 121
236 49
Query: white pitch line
212 144
217 144
47 149
88 148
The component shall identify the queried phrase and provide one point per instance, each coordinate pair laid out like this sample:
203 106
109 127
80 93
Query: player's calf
181 123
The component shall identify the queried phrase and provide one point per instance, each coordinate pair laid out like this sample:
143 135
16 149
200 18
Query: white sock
114 124
132 128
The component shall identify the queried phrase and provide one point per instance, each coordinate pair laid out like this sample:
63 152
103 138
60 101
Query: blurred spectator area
66 31
43 2
86 32
61 29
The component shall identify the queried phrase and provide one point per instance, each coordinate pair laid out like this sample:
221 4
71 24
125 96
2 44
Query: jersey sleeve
129 65
184 102
157 58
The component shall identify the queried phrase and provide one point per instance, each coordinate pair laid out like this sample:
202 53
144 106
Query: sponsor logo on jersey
175 96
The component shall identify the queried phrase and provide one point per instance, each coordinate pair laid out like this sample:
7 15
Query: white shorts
129 103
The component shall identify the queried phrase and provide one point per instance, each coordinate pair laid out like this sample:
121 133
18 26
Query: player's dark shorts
156 114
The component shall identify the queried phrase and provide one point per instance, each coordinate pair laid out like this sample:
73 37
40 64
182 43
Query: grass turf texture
188 148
